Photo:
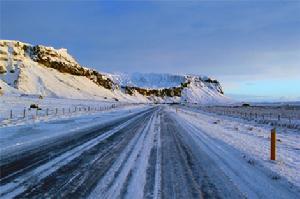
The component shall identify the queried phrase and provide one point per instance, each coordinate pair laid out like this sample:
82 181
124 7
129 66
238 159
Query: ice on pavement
14 137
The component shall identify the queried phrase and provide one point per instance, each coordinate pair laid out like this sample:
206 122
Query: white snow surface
26 134
253 141
147 80
29 77
240 150
198 91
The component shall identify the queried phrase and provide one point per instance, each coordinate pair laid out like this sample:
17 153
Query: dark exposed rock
2 69
34 106
52 59
166 92
61 61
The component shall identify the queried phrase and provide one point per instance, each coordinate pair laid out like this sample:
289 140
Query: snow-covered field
16 110
252 140
148 151
275 115
25 133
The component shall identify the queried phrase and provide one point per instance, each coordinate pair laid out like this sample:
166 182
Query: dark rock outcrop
66 64
60 60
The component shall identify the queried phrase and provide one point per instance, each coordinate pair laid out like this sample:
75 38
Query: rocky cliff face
63 62
183 82
15 55
14 51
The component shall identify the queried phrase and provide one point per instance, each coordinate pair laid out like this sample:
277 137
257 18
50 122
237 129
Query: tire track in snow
135 188
251 181
28 180
153 172
24 160
178 181
77 179
157 181
127 177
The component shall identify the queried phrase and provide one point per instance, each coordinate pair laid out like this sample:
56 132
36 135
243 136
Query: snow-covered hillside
147 80
45 71
193 88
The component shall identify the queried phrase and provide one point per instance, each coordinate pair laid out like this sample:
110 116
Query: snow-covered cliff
41 70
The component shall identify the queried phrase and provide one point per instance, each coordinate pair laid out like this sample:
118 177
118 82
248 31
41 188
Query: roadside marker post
273 144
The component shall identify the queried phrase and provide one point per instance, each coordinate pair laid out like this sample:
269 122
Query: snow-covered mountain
149 80
45 71
181 88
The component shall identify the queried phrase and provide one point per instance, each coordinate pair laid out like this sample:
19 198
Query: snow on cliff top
148 80
28 76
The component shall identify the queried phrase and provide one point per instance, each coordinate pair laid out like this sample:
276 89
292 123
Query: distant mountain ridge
50 72
147 80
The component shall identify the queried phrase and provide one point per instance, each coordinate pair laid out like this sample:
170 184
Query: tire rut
177 180
77 179
14 166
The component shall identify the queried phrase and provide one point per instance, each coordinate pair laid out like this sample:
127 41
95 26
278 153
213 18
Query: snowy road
152 153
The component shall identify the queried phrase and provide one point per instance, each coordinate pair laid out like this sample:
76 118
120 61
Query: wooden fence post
273 144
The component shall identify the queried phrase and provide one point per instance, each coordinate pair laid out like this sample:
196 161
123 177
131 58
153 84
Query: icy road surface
152 152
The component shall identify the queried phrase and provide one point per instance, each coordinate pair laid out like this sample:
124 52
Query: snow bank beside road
12 108
15 137
252 141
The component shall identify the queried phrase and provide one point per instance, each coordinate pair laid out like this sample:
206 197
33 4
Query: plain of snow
17 103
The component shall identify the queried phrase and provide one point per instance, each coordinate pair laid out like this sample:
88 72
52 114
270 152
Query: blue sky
253 48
